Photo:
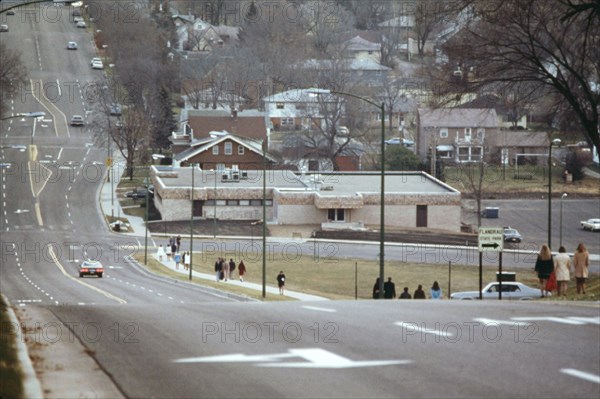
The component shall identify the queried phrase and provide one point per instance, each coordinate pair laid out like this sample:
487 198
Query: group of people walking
389 291
554 271
225 270
171 251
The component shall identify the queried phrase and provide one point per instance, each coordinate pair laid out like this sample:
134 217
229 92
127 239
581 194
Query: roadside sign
491 239
108 161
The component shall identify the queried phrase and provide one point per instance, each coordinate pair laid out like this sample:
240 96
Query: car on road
77 120
138 193
10 12
510 290
512 235
97 64
3 28
591 224
78 18
91 268
72 46
81 24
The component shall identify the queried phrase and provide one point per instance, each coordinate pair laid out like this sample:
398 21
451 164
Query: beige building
333 200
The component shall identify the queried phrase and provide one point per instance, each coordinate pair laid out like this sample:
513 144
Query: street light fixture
154 157
555 142
382 184
561 208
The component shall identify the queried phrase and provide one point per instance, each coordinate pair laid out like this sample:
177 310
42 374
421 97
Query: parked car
138 193
512 235
399 141
78 19
3 28
119 226
510 290
97 65
91 268
77 120
95 59
10 12
115 109
591 224
72 46
81 24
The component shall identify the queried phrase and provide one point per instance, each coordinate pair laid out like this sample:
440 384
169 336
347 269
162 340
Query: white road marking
414 327
581 374
320 309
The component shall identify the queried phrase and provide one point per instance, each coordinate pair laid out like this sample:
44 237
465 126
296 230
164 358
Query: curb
31 385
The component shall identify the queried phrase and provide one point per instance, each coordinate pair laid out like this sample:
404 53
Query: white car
81 24
591 224
510 290
97 65
91 268
72 46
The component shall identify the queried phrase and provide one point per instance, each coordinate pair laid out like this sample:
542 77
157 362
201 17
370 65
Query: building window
221 202
241 149
280 106
244 202
215 150
336 215
443 133
287 121
480 133
255 202
467 134
228 148
232 202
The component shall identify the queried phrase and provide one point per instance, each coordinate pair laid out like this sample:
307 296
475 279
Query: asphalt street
156 337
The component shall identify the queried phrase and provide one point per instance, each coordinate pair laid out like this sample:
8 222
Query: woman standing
241 270
581 262
562 266
281 282
160 252
436 291
544 267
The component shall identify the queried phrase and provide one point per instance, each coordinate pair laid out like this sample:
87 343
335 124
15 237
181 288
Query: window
221 202
228 148
287 121
255 202
480 133
280 106
467 134
336 215
215 150
443 133
240 149
232 202
244 202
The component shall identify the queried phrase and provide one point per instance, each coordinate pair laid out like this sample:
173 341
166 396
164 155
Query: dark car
138 193
512 235
115 110
91 268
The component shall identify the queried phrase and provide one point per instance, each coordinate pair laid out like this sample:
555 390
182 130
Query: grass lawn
10 371
335 278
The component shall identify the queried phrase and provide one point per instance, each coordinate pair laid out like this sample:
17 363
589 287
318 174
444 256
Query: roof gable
458 117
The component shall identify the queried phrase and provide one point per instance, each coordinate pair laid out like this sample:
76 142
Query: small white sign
491 239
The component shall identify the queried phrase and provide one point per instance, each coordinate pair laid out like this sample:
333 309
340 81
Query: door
421 215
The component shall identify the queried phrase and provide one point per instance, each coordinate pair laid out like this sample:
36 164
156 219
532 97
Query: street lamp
555 142
193 166
154 157
215 205
382 184
561 208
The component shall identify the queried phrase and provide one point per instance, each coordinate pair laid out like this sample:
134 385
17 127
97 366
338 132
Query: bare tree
12 74
130 137
549 46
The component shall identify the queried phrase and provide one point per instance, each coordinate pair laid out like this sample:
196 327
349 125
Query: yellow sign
109 161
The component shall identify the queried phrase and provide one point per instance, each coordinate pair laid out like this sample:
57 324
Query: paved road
156 337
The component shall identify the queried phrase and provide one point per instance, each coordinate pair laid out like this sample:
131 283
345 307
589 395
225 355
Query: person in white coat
562 268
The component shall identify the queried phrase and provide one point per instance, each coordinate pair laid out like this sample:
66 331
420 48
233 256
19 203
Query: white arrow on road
315 358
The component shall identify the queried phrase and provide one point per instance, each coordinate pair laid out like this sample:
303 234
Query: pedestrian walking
562 267
160 252
405 294
544 266
241 270
178 242
231 268
177 260
435 291
225 269
581 262
218 269
168 250
186 260
419 293
173 249
281 282
389 289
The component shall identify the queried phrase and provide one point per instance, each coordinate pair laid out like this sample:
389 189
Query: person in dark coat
405 294
241 270
178 242
376 289
544 266
281 282
218 266
419 293
389 289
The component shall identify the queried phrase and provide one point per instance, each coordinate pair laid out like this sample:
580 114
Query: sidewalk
170 264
